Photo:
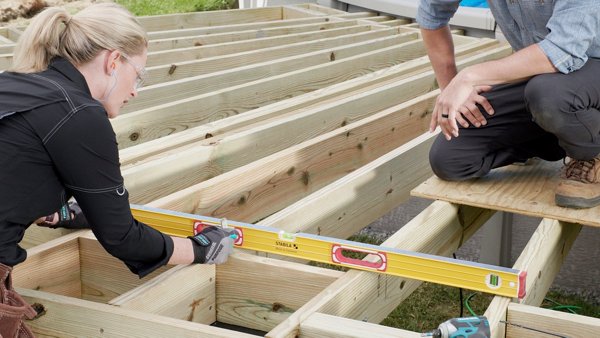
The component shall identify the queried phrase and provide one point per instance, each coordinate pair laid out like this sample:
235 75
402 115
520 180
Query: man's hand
457 105
69 216
212 245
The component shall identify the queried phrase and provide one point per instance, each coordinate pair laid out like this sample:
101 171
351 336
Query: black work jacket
56 142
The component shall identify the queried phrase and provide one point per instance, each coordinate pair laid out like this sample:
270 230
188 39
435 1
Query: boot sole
576 202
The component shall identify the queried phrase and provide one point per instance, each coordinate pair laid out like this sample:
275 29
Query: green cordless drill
466 327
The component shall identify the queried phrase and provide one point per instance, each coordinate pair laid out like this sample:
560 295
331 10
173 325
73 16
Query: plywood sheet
527 190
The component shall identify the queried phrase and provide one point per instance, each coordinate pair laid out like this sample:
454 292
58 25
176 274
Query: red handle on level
338 257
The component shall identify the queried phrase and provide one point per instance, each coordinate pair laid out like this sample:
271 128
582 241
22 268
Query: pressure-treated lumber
52 267
202 40
209 18
104 277
190 53
319 325
184 292
332 93
70 317
559 323
196 85
542 258
439 229
169 174
254 191
170 117
160 177
36 235
193 31
180 70
255 291
527 190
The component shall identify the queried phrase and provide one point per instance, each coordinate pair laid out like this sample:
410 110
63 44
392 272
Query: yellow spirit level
437 269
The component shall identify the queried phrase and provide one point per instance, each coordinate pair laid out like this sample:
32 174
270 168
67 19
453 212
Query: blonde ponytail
78 38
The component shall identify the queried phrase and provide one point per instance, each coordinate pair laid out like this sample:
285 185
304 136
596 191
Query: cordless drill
467 327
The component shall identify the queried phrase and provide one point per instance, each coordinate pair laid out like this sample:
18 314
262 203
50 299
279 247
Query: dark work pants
547 117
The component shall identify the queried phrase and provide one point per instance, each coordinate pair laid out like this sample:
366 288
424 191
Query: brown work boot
579 186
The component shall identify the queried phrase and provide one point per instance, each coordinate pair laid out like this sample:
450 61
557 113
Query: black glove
70 216
212 245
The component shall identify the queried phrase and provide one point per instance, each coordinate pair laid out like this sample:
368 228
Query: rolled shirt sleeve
435 14
573 27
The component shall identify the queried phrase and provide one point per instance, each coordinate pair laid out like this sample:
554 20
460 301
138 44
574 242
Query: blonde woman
70 74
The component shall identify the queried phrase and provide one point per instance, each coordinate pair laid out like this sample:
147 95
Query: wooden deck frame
164 145
255 291
148 124
213 81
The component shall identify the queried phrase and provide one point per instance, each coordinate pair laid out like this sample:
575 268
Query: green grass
155 7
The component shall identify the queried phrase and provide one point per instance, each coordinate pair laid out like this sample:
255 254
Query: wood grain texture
52 267
198 52
527 190
261 188
36 235
184 292
171 117
555 322
258 292
208 39
209 18
70 318
161 177
542 259
104 277
179 70
170 144
196 85
319 325
193 31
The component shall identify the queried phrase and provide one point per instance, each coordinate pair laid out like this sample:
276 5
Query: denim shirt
568 31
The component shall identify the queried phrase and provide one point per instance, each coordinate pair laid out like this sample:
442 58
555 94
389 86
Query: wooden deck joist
180 70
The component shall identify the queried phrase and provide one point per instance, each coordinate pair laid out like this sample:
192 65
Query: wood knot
134 136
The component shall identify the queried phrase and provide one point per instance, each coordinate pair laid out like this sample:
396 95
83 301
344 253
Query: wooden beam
71 317
196 85
202 40
324 9
332 93
210 18
180 70
192 53
193 31
36 235
158 178
440 229
152 123
104 277
554 322
259 189
319 325
255 292
52 267
295 12
542 258
166 295
144 125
